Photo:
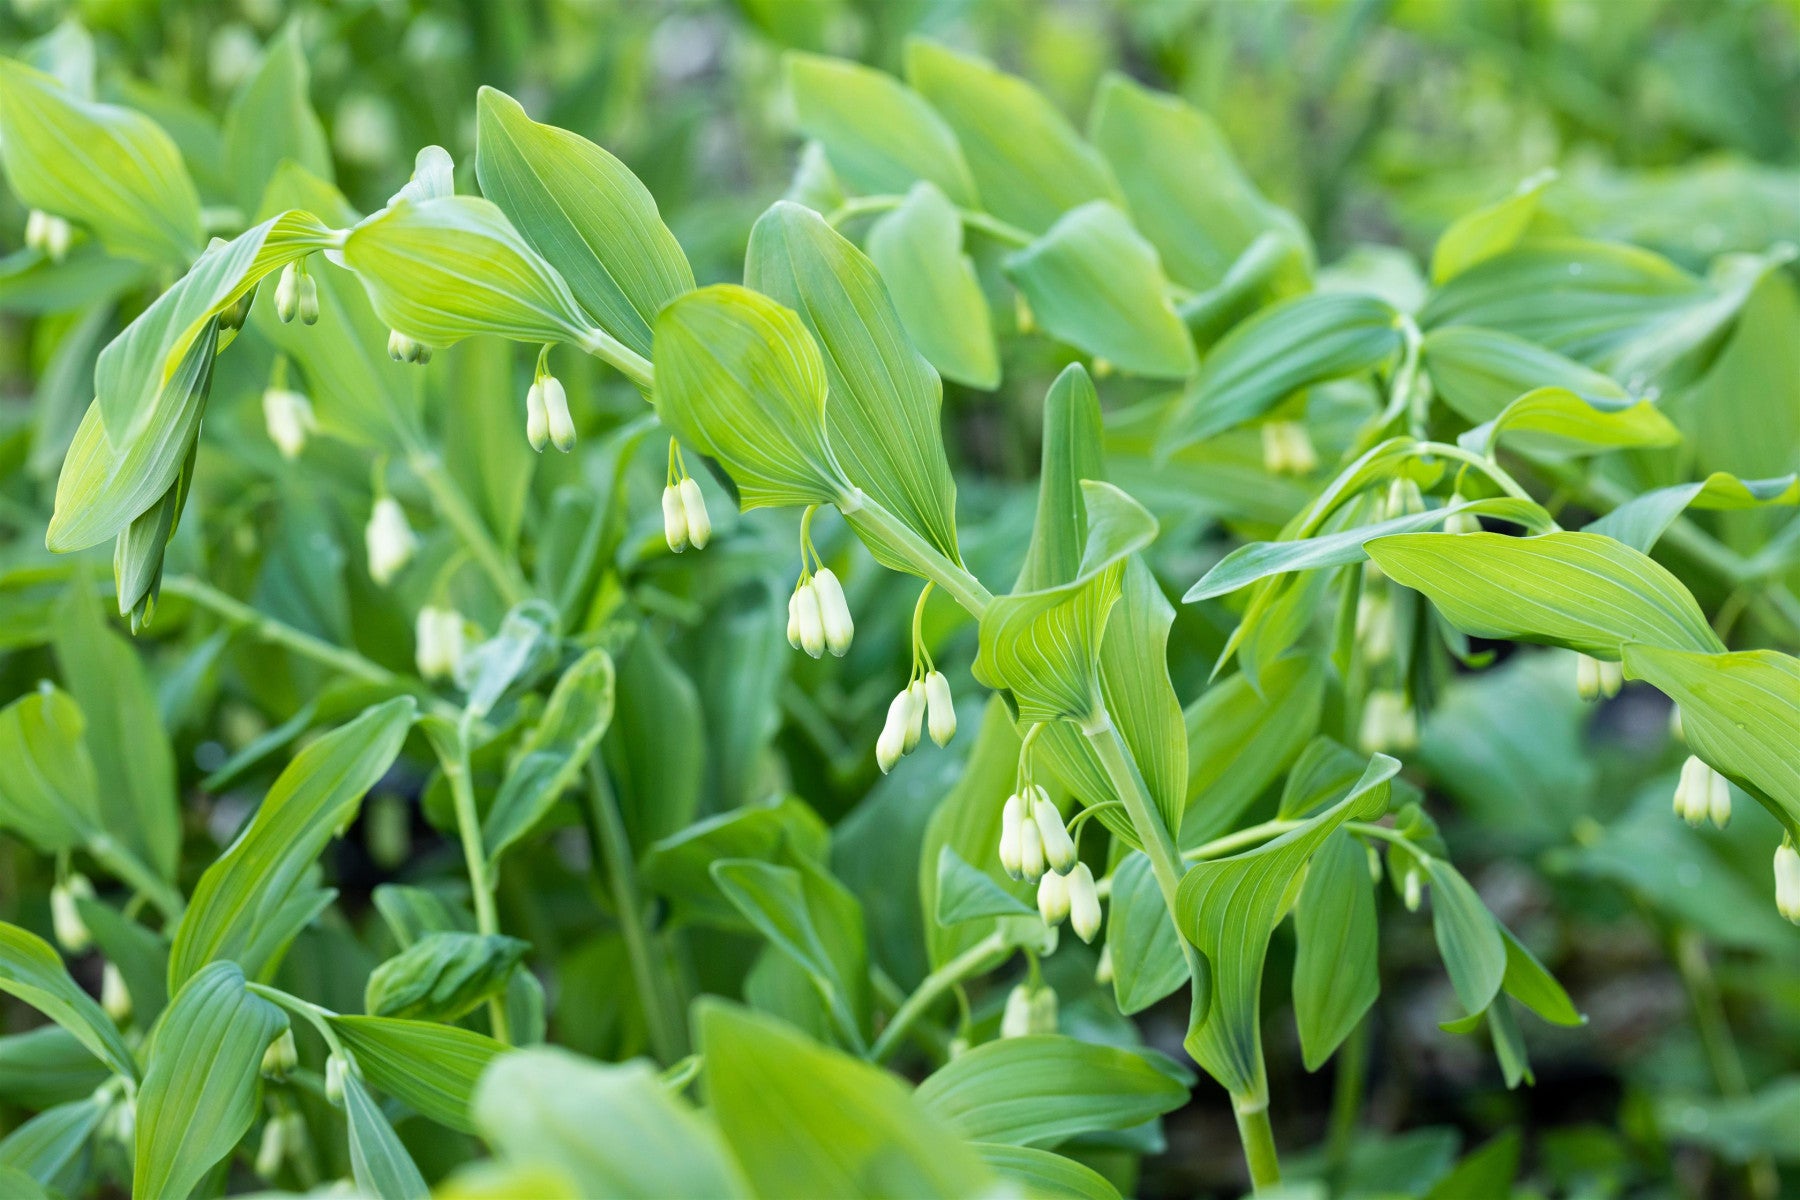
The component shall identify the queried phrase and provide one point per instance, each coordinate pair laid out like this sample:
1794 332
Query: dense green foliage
1271 502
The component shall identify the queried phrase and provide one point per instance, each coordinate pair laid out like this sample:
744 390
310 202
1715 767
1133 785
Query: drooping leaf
880 135
48 1066
1555 422
1146 948
1046 1173
47 1145
31 970
378 1161
1492 229
771 830
966 894
442 976
1336 976
48 792
1641 521
432 1067
919 250
1468 937
1478 372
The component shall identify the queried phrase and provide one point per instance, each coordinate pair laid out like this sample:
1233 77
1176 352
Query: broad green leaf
1492 229
20 1185
1528 982
919 250
880 135
966 894
133 761
1478 372
1739 712
441 269
1039 1091
110 168
1281 350
378 1162
1185 190
1641 521
612 1129
442 976
1259 560
201 1087
483 440
271 119
1229 909
554 753
1552 422
1468 937
772 830
585 212
31 970
1028 163
1240 740
48 1144
1576 590
1094 282
1488 1171
806 1120
48 792
1146 949
47 1066
656 744
1336 976
1743 416
241 906
432 1067
1045 1173
740 379
881 419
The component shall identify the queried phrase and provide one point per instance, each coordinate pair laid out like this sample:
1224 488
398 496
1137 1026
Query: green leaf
1528 982
1259 560
1641 521
1240 740
1488 1171
442 976
585 212
445 268
1028 163
20 1185
378 1162
142 957
1146 949
919 249
484 450
1039 1091
47 1066
243 906
1478 372
1740 713
1577 590
740 379
1554 422
880 135
413 912
524 642
1044 1173
1336 976
805 1120
1468 937
1281 350
133 761
1174 164
50 1143
655 745
432 1067
271 119
554 753
1229 909
201 1087
612 1129
110 168
31 970
881 421
1094 282
966 894
772 830
1495 228
48 793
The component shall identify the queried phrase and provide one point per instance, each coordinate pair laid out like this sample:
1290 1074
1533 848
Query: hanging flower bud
1460 522
537 424
812 628
1053 898
1702 795
334 1080
562 425
1675 730
1718 801
1012 833
120 1122
1023 318
834 612
959 1046
1412 887
1587 677
1374 863
1084 902
1612 678
309 300
1388 723
675 532
699 523
1404 498
793 630
438 641
288 417
1043 1011
1787 881
1103 970
36 224
55 238
940 708
1374 627
65 917
389 539
915 715
1059 848
403 349
233 315
1274 447
282 1056
115 997
1287 449
1031 852
892 743
271 1150
1016 1020
287 297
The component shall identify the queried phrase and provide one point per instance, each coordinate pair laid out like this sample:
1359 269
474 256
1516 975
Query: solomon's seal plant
1360 484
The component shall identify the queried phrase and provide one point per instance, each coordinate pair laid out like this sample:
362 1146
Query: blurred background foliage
1675 125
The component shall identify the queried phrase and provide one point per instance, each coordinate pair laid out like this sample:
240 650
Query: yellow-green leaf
919 249
31 970
48 793
880 135
1555 422
1492 229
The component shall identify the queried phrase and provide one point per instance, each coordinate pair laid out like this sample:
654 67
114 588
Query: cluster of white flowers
1596 679
438 640
1702 795
48 235
687 523
297 295
288 416
924 704
1287 450
390 540
1787 881
1035 846
1030 1008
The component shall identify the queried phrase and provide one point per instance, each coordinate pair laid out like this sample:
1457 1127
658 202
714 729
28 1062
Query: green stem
630 363
147 883
455 508
983 956
992 226
468 827
870 519
611 845
1259 1143
1346 1102
317 1015
1486 466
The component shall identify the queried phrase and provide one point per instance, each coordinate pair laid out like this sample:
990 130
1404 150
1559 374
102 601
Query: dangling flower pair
1035 846
685 519
925 701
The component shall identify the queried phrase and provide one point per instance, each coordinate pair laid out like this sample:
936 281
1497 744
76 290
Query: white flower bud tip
1587 677
115 997
1053 898
793 629
281 1057
1374 628
1274 448
1084 903
1787 881
1389 723
1612 678
1043 1011
1701 793
1412 888
1460 522
389 539
334 1080
915 714
1287 449
891 745
834 611
562 425
1031 852
1012 830
309 300
1016 1020
65 917
699 524
287 296
288 417
1718 800
1103 970
1059 848
438 638
940 708
675 530
54 235
537 423
271 1150
812 625
36 223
